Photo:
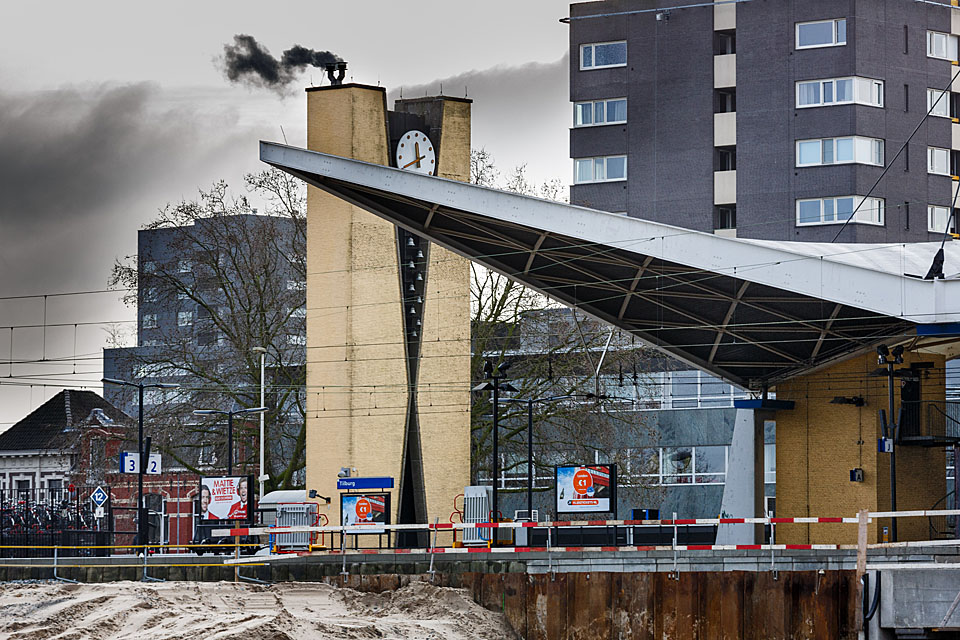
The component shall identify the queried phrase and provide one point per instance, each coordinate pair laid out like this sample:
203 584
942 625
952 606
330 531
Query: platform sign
99 497
885 445
365 511
586 488
130 463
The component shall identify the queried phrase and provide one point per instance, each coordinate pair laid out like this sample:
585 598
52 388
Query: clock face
415 153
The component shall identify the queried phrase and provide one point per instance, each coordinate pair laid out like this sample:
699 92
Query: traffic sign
99 497
130 463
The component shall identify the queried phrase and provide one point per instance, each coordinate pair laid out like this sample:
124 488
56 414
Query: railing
944 527
930 422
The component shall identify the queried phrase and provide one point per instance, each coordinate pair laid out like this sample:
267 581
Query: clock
415 153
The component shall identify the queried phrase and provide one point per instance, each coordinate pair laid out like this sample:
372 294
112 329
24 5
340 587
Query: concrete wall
818 443
357 378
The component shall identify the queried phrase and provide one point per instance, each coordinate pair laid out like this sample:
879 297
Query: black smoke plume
249 62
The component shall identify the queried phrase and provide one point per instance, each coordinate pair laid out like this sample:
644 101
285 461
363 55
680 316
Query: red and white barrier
254 531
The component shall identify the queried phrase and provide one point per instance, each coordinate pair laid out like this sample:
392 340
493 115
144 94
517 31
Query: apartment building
769 119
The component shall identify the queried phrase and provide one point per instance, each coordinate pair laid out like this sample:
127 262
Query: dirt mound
228 611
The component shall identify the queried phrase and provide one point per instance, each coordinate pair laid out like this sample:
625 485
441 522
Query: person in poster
238 510
205 503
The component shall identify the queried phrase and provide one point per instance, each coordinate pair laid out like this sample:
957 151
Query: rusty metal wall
712 605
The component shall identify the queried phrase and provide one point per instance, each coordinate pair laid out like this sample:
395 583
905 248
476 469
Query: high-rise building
207 294
769 119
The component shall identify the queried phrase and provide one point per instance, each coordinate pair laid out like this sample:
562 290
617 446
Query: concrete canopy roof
753 312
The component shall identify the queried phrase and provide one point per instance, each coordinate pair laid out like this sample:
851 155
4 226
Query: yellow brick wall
356 374
818 443
355 356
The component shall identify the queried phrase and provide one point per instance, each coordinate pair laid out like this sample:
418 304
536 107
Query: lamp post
494 376
263 403
229 414
889 425
144 455
530 402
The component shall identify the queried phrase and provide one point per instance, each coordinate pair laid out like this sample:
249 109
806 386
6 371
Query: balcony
725 129
933 423
724 187
725 71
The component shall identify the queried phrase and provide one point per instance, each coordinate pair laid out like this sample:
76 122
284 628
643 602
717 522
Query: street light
229 414
889 426
144 455
530 402
263 474
494 377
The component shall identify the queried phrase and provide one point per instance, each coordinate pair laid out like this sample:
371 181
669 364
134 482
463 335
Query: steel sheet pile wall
713 605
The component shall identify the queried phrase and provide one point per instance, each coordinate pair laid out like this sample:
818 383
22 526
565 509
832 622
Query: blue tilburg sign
365 483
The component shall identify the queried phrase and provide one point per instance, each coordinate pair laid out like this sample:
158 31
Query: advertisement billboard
586 488
367 510
226 498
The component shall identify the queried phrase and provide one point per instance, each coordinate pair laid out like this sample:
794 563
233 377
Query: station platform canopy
753 312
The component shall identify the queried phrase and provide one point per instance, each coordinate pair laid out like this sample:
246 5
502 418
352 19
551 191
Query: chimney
340 68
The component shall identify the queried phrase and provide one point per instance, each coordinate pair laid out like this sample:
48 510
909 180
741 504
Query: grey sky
113 109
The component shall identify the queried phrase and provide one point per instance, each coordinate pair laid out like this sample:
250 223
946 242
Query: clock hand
414 161
416 152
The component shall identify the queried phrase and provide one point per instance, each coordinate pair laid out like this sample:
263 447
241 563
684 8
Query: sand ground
224 610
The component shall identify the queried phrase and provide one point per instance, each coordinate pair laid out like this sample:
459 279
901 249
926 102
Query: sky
114 109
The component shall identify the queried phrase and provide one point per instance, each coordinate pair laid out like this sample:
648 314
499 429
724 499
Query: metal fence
39 519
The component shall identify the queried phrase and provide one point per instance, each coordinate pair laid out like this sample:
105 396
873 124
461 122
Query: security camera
344 472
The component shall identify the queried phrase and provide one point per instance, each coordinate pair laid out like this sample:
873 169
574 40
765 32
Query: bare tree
230 279
555 351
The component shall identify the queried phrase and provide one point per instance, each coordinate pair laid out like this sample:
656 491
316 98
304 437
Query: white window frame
933 213
150 321
876 146
185 318
593 108
950 45
836 41
594 159
592 46
866 91
931 153
942 99
871 212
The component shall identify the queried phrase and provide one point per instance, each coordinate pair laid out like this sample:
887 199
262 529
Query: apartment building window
185 318
724 42
601 55
149 266
602 169
151 294
725 217
814 211
724 100
597 112
836 91
149 321
823 33
852 149
938 102
938 217
938 161
941 45
725 159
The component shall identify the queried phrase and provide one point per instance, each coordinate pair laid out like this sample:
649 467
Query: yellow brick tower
388 317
